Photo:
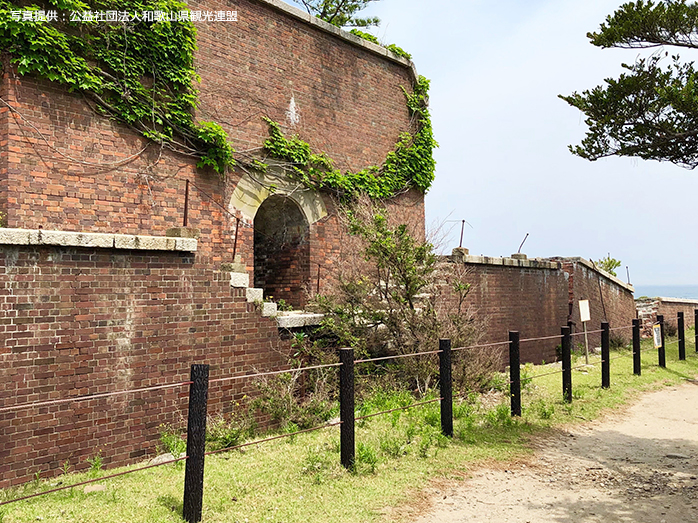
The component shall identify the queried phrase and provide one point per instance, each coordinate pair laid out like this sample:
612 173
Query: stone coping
676 300
95 240
314 21
533 263
294 319
605 274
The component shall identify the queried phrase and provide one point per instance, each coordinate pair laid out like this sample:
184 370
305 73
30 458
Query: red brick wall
617 306
670 309
350 102
529 300
80 321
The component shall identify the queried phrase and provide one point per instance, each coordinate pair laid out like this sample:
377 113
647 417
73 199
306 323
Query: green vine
137 72
390 47
410 164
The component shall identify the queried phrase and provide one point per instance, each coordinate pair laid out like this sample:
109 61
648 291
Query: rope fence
200 383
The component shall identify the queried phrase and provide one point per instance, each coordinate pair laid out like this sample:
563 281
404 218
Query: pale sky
496 69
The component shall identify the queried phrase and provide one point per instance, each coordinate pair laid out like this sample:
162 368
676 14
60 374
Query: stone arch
282 250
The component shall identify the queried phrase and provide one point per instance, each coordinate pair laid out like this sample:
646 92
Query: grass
301 479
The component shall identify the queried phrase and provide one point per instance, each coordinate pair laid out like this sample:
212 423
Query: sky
503 165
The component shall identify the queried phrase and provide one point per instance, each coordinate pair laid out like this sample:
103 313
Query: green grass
301 480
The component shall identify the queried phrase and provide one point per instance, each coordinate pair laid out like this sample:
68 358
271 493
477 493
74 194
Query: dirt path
639 467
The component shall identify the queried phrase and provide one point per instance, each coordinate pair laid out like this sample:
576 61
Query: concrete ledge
289 320
533 263
95 240
268 309
687 301
239 279
254 294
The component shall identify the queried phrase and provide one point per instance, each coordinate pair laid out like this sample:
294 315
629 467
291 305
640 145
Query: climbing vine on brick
410 164
137 72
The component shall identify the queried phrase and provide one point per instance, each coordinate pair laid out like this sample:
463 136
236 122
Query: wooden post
637 361
682 336
446 388
605 355
196 441
566 365
515 373
346 408
662 348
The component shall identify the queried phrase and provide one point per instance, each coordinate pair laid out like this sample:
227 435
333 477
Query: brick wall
87 173
82 321
609 298
530 299
648 310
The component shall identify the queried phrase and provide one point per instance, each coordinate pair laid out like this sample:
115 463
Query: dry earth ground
639 466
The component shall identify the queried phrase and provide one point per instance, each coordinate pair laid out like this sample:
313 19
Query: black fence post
446 387
605 355
346 407
637 362
695 327
662 348
515 373
196 444
566 365
682 335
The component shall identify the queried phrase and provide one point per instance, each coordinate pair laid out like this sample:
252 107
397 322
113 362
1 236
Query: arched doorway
281 250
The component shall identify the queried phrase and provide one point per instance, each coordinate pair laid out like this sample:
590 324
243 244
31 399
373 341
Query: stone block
14 236
254 294
239 279
183 232
268 308
186 244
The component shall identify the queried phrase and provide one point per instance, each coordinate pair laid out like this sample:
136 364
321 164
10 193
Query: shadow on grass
172 504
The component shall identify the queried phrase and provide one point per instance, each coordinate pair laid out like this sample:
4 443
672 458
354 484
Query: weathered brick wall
87 173
530 300
648 310
80 321
609 300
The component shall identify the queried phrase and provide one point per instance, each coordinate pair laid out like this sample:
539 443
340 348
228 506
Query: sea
667 291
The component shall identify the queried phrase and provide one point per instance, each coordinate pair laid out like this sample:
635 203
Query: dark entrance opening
281 250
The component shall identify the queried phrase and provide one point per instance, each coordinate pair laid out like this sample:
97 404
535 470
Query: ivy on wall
139 73
390 47
410 164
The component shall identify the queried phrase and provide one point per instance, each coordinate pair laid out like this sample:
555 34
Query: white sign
657 335
584 310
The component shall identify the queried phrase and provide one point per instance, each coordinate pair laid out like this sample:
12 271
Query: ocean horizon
667 291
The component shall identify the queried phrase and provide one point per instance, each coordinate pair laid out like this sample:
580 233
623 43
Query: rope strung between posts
397 409
266 440
398 356
91 396
110 476
272 373
482 346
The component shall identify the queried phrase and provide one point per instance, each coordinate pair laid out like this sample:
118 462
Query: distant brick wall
649 308
531 300
539 296
80 321
610 300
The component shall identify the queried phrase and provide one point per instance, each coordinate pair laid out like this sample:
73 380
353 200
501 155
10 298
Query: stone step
254 294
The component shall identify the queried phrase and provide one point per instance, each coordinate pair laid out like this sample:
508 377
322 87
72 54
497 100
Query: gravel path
639 467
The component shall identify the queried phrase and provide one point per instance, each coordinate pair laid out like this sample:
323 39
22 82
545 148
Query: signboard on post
585 316
584 312
657 335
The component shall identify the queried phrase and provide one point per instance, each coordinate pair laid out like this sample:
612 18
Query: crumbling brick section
82 321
